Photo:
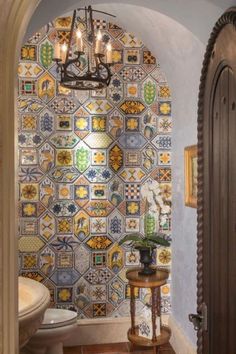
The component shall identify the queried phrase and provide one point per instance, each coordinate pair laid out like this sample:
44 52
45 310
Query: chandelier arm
101 12
71 35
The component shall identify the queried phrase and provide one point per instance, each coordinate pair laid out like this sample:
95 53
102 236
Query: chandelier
84 63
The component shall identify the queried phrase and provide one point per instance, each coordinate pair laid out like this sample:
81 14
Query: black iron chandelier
84 63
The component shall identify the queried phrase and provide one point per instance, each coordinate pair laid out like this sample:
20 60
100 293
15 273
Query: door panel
217 190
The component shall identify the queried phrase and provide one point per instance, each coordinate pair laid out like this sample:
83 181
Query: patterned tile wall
82 159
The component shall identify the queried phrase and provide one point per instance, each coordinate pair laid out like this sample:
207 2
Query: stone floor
119 348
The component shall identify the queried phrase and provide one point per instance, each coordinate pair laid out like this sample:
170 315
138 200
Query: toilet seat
55 318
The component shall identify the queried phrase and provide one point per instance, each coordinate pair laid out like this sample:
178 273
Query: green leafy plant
147 241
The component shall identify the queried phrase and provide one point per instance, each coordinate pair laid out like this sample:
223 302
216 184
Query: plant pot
146 260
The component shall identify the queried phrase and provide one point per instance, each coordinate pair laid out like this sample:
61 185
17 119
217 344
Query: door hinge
199 319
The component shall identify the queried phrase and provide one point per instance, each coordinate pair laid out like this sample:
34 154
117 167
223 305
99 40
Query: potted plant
155 214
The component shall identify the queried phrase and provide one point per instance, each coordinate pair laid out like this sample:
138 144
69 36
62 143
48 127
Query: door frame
204 163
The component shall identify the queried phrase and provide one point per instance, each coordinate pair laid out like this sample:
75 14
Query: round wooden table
154 282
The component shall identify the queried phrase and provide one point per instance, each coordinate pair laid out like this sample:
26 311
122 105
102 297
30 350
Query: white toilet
58 325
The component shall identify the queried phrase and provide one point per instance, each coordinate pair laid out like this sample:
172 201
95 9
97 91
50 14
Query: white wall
177 36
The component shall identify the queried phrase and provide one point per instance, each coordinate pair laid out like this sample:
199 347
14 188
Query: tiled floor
121 348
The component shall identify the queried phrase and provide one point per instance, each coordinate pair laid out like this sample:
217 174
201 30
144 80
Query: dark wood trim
204 146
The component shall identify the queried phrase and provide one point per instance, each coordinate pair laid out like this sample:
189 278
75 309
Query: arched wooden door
217 191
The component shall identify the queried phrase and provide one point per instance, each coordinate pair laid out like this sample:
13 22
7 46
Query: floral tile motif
116 158
98 225
99 242
64 140
99 208
132 107
83 157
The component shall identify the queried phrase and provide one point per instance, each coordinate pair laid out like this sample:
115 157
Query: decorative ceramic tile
28 226
132 124
98 225
115 225
29 53
47 191
132 225
98 123
64 157
28 122
64 140
29 105
64 295
63 122
65 191
29 261
30 139
81 193
98 276
99 259
164 158
65 277
115 158
131 258
115 89
132 191
98 292
133 73
116 292
46 157
99 242
65 260
64 208
47 226
30 244
164 92
116 123
132 56
132 158
98 107
99 208
128 292
64 174
116 191
115 259
99 157
132 174
62 105
46 122
149 157
98 191
64 225
133 208
148 58
149 89
132 141
163 174
64 243
47 261
98 174
82 157
98 140
162 142
46 54
132 107
129 40
81 225
29 192
164 256
27 87
132 89
46 87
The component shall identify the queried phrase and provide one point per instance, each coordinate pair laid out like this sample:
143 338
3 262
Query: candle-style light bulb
63 52
109 53
98 47
79 40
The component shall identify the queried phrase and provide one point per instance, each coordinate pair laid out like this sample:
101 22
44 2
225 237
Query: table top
147 281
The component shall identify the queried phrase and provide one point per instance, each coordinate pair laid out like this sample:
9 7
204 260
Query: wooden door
217 191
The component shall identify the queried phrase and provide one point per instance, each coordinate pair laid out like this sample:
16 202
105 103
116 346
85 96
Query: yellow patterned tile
30 244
